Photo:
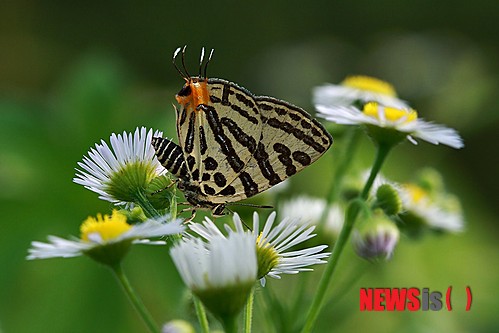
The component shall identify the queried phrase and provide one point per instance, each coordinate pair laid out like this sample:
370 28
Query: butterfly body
233 144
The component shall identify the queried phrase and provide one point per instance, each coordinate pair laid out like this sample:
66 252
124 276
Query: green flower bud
388 199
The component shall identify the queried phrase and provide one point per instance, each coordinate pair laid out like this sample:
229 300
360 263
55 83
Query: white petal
103 161
437 134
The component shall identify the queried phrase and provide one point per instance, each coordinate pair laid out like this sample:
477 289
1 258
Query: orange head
194 93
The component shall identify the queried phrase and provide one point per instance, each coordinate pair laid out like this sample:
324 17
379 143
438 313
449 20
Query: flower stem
229 324
248 314
173 206
350 217
381 155
201 314
143 202
134 299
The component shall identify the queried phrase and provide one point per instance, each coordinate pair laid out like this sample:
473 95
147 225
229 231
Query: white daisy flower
106 238
440 211
217 263
355 89
335 219
309 210
303 208
273 244
116 173
391 125
221 271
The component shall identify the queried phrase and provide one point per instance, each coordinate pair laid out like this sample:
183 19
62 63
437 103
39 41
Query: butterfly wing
220 135
171 156
291 140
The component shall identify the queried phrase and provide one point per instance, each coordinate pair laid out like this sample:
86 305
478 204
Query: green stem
173 206
381 155
146 205
134 299
350 217
201 314
230 324
248 314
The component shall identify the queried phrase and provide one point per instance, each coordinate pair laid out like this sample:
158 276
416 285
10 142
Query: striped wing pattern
220 136
236 145
171 156
291 140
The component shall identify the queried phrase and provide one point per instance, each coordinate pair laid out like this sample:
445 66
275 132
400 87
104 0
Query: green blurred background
72 73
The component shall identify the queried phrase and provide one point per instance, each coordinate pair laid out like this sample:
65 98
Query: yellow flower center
416 193
370 84
372 109
108 227
266 256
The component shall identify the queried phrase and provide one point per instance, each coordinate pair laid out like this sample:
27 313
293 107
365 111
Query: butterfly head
195 90
194 93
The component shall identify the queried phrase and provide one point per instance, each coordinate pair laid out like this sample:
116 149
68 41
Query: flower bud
388 199
377 238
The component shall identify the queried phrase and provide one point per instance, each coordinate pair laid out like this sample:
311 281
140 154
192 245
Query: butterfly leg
218 210
189 209
192 216
166 188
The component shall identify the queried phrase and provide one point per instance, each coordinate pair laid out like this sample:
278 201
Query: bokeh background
73 72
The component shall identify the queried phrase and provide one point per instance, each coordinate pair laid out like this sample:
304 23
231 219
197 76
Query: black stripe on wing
171 156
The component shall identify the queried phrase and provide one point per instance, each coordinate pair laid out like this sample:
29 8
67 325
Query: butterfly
233 144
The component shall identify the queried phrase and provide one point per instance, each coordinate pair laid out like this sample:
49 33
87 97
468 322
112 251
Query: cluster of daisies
412 208
207 258
222 263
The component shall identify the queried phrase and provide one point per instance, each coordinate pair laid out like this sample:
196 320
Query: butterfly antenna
242 221
183 62
175 54
207 62
250 205
201 61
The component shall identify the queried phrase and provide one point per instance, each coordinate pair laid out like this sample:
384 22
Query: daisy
310 210
220 262
221 271
356 89
440 211
303 208
273 244
119 172
106 238
391 125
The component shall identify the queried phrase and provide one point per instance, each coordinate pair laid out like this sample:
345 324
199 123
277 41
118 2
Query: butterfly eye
185 91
